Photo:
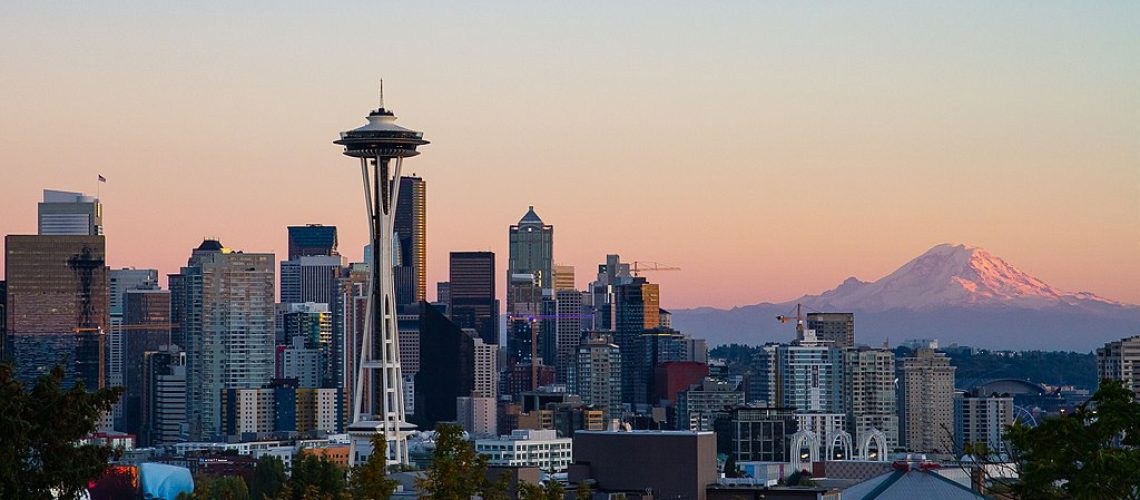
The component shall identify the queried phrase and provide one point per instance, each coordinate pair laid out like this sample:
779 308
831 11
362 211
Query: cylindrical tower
381 146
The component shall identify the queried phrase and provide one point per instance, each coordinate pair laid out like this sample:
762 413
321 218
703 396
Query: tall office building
472 289
531 263
311 278
72 214
123 280
926 397
146 328
411 241
601 292
636 308
312 239
164 397
654 347
58 294
869 394
567 326
564 278
1120 360
597 374
228 324
450 352
837 328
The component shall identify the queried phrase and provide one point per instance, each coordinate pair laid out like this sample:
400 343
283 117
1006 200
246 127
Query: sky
767 149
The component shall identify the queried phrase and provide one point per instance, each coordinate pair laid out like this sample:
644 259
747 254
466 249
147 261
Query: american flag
102 179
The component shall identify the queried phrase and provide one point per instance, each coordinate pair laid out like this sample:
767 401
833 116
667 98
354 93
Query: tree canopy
457 471
38 435
369 480
1091 453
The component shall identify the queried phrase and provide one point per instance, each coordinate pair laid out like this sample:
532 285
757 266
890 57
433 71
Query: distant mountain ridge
956 293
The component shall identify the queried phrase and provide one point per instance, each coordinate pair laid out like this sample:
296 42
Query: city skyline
815 158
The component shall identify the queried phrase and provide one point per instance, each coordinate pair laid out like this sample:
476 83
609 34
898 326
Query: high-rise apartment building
869 394
57 306
597 374
472 289
699 406
228 324
486 369
411 241
312 239
980 421
1120 360
808 376
926 398
67 213
837 328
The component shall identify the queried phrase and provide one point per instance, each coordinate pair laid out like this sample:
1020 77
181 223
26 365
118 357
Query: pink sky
769 152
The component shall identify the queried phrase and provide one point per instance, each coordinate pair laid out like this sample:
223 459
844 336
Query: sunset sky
767 149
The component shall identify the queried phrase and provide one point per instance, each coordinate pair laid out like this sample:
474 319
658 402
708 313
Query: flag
102 179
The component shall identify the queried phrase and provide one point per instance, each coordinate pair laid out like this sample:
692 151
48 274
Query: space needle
381 146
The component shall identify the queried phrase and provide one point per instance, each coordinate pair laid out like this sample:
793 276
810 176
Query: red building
675 376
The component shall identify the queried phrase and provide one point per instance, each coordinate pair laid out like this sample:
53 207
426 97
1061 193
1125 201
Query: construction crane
799 319
638 267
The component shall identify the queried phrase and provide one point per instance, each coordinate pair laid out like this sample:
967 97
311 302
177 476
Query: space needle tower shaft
378 396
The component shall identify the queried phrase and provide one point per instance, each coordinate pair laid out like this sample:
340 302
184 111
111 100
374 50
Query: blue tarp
164 481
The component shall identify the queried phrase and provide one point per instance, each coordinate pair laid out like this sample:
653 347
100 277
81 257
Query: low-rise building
528 448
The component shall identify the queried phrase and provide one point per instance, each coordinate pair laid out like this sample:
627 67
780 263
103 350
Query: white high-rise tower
381 146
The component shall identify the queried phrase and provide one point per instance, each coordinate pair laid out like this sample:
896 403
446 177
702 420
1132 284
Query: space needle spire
378 407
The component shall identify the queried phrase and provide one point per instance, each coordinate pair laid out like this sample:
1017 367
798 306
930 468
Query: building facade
528 448
1120 360
869 395
472 293
926 397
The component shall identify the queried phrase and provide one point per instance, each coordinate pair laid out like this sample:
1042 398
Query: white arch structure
877 437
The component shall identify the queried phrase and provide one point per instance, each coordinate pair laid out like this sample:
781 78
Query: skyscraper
838 328
146 328
312 239
164 397
228 324
411 241
531 254
635 309
450 352
310 278
869 394
472 289
809 377
123 280
981 419
597 374
926 397
58 294
68 213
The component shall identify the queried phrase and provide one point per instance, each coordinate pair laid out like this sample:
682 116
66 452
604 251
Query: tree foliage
208 487
457 471
584 491
38 435
314 478
550 490
369 480
1093 452
268 478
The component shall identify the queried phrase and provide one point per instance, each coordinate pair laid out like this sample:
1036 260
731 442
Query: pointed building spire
381 93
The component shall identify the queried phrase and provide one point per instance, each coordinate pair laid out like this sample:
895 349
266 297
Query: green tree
218 488
457 471
555 490
369 480
268 478
584 491
531 491
38 435
315 477
1091 453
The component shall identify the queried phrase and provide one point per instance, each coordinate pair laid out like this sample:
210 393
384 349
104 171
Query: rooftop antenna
381 93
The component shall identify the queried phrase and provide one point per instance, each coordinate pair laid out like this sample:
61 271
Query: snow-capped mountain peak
950 275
